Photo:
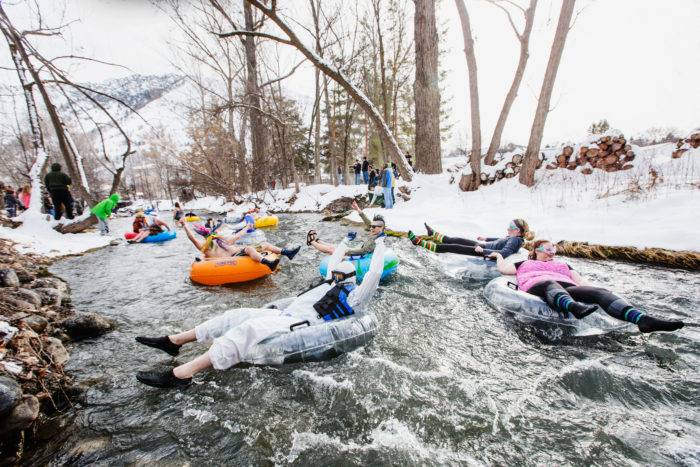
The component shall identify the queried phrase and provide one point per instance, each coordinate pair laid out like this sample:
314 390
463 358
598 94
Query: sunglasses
376 226
512 226
550 250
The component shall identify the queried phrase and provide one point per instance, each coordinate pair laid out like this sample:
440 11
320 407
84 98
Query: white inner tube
531 309
314 343
476 268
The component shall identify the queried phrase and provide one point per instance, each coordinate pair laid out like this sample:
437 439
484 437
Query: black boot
270 264
650 324
428 229
581 310
162 343
162 379
291 253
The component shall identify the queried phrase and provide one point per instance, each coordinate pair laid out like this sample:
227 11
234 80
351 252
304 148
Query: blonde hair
525 231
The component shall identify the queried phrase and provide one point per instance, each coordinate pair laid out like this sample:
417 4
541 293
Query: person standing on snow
103 210
58 184
387 180
365 170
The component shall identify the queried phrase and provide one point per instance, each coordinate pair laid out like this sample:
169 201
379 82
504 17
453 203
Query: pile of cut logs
509 170
609 153
692 141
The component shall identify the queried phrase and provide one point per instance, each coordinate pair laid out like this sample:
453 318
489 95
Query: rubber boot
270 264
162 379
291 253
161 343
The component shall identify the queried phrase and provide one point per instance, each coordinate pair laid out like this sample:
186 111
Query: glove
351 235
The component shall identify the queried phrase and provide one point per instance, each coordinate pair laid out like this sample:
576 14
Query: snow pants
61 197
237 331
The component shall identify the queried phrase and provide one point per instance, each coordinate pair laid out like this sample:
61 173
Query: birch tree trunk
426 89
317 123
524 40
527 172
471 182
331 135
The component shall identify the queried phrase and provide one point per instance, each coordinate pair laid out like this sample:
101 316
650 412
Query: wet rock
85 325
87 451
23 414
50 283
10 394
8 278
54 348
17 304
36 323
49 296
340 205
24 276
27 295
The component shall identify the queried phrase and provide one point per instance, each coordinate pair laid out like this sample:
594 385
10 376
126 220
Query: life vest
334 304
533 272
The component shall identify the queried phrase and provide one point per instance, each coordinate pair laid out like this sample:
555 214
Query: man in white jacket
235 332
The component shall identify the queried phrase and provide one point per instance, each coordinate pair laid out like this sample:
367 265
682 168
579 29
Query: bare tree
426 89
527 173
471 182
330 71
524 40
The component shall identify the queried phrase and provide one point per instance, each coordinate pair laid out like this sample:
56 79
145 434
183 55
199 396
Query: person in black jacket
58 184
518 232
358 172
11 202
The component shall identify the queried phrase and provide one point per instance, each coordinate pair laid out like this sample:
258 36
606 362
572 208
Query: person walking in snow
103 210
58 184
11 202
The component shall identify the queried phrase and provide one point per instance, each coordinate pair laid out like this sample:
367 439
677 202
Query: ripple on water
447 380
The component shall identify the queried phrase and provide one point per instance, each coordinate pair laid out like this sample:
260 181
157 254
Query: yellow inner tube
193 218
220 271
266 221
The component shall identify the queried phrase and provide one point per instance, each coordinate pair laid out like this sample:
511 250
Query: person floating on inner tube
518 232
144 228
217 246
565 290
376 229
235 332
178 213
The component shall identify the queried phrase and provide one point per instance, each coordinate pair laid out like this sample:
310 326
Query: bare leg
183 337
253 253
187 370
271 248
141 236
323 247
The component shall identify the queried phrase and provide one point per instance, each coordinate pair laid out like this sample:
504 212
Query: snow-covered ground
653 205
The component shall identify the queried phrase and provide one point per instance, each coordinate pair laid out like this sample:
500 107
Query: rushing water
447 380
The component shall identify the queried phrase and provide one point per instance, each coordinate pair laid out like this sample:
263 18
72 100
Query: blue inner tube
161 237
361 263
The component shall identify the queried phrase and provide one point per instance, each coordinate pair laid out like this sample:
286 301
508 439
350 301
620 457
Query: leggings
615 306
461 246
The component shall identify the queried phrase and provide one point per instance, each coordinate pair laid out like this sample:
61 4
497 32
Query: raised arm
503 267
363 293
192 237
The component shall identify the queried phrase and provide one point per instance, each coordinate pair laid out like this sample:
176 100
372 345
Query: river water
447 380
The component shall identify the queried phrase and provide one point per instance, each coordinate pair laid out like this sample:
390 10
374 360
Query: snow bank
36 235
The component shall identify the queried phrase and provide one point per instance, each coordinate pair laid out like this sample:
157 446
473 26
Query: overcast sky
633 62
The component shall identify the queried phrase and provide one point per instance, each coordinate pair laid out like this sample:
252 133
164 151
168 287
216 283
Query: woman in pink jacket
566 291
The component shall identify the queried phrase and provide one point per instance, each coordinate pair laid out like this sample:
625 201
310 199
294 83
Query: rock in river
85 325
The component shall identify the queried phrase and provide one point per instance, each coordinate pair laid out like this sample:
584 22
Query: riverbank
36 320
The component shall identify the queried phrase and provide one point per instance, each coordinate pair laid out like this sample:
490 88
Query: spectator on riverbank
365 170
358 172
103 210
24 196
58 184
387 181
11 202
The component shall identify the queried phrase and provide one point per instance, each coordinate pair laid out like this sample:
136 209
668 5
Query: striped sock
633 315
563 302
412 237
438 237
428 245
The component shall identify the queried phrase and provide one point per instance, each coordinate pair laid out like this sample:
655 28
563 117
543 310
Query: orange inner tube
219 271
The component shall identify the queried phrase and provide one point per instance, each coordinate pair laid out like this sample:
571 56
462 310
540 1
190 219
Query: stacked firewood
508 170
609 153
692 141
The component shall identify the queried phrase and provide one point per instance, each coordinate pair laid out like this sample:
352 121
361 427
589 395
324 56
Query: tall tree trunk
426 89
527 172
331 134
37 139
355 92
315 4
471 182
376 6
524 40
257 126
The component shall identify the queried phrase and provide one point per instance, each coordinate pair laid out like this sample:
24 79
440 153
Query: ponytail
525 231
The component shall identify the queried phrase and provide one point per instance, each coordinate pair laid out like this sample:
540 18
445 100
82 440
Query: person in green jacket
103 210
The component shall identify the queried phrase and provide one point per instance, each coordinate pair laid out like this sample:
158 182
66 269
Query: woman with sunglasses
376 229
518 231
565 291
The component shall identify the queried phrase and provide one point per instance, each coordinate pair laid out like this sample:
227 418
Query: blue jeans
365 176
388 200
358 180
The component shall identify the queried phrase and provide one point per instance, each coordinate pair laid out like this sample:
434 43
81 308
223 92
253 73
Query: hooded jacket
104 208
57 180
